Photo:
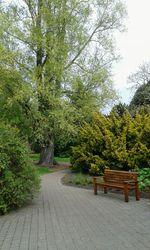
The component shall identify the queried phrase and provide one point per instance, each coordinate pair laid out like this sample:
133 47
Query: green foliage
144 178
119 109
15 92
113 142
18 178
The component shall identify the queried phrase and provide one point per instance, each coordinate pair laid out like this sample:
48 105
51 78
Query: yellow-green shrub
116 142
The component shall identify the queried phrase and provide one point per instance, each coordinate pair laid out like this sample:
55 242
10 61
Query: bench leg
95 188
94 185
126 192
105 190
137 193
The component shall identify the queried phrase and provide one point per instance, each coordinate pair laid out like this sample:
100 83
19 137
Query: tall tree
56 38
141 76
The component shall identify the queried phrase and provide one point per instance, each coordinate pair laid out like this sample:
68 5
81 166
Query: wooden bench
121 180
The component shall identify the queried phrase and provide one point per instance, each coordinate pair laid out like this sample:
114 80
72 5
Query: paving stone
68 218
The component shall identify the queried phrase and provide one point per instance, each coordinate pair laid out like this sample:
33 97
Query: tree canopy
56 45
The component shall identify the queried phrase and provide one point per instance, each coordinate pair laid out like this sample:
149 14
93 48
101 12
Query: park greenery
120 140
56 60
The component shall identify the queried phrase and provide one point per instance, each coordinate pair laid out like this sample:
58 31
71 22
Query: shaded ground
62 166
68 218
58 166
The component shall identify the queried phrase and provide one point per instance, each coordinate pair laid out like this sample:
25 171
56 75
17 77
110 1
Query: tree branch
31 10
20 39
88 40
82 48
81 67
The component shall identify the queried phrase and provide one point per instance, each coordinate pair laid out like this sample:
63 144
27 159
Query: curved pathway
68 218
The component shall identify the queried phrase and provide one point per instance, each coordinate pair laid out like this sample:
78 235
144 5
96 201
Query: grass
43 170
62 159
77 179
35 157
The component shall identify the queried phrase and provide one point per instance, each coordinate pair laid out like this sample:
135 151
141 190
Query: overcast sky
133 45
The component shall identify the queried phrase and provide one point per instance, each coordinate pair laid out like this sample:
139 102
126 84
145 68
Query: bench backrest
119 176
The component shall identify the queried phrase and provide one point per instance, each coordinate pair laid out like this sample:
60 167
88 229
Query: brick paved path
67 218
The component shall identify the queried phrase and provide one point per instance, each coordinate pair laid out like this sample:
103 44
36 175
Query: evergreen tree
119 109
141 98
141 82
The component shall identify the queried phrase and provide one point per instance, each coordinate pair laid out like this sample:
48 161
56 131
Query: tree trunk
47 155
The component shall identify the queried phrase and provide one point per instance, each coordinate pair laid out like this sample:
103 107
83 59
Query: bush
18 178
115 142
144 178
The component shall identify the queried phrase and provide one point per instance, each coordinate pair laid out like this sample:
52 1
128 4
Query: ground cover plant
77 179
144 178
19 181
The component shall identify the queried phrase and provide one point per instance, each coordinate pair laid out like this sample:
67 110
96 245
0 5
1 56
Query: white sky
133 45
